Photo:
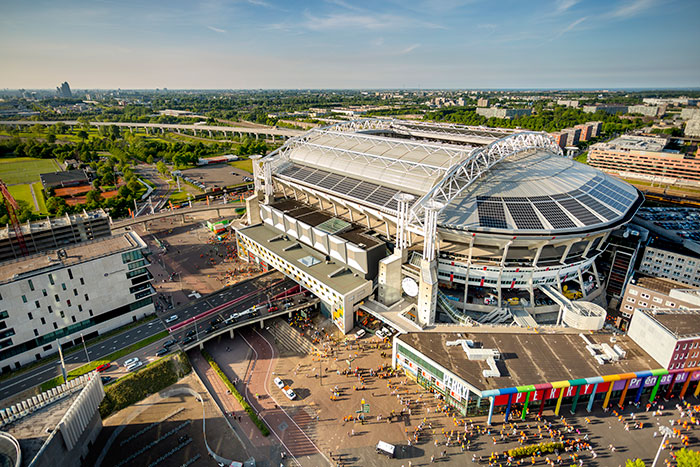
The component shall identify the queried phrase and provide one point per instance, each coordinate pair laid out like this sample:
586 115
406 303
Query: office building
644 157
568 103
690 114
692 128
573 135
647 110
586 131
496 112
55 232
670 336
648 292
607 108
666 260
407 207
560 138
87 288
483 102
64 90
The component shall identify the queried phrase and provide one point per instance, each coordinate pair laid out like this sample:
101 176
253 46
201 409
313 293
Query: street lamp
87 355
667 432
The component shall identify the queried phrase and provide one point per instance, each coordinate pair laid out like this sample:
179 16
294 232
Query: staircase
497 316
443 304
289 338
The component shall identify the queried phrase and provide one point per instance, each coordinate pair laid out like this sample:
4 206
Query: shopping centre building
430 223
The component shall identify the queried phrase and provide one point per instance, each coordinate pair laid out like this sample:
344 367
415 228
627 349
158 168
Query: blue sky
350 44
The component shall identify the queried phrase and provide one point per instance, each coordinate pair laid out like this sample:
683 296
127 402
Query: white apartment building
673 265
87 288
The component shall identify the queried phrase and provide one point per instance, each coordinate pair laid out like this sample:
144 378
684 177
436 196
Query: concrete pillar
201 346
230 333
389 279
592 398
580 281
492 403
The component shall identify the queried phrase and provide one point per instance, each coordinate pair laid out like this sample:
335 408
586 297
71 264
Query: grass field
22 193
40 196
14 170
178 197
244 164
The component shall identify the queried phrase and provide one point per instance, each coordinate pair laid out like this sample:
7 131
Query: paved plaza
330 395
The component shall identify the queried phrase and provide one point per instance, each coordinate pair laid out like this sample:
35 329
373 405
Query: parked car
106 379
272 308
383 333
280 384
360 334
103 367
162 352
171 319
131 361
291 395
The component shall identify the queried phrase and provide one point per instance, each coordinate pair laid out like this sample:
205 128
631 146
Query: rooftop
61 178
635 143
679 323
78 253
523 355
56 222
540 191
326 273
657 284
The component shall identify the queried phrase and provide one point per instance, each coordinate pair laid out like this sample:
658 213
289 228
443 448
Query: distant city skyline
427 44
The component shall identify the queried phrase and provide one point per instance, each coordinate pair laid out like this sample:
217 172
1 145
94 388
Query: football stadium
417 224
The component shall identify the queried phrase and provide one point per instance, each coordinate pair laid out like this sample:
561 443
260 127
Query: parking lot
217 175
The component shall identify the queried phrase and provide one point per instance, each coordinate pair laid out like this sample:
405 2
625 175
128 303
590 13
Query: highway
268 131
230 208
50 370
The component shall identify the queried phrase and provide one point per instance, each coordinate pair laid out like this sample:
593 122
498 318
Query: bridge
260 319
272 132
229 209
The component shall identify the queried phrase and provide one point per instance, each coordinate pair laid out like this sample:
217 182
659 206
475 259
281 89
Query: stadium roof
539 191
487 179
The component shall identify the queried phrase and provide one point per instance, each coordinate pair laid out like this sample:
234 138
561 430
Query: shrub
249 410
543 448
149 380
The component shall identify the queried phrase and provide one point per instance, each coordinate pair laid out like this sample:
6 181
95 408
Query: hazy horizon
337 44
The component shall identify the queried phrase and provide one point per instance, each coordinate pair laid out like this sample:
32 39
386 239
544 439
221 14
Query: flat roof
527 358
657 284
636 143
56 222
679 323
78 253
53 178
342 283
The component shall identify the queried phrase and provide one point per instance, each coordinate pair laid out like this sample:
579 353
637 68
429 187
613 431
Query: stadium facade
428 222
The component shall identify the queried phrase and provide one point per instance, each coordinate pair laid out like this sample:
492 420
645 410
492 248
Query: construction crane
12 208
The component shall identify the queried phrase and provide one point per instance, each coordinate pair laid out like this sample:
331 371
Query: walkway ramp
522 317
443 304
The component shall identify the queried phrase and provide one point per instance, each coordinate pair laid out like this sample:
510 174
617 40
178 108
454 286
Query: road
244 295
160 193
284 132
43 373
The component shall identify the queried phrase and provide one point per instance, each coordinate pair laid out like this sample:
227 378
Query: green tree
162 168
687 458
93 199
634 463
51 138
114 132
56 206
82 134
84 123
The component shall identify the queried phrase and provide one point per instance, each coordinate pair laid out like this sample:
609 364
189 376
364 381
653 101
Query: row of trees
546 119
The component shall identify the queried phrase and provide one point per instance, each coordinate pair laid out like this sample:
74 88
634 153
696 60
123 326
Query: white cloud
220 31
631 8
564 5
409 49
336 21
572 26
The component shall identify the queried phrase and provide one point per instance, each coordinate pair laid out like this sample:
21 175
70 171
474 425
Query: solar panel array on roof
371 193
579 211
589 201
554 215
491 214
524 216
